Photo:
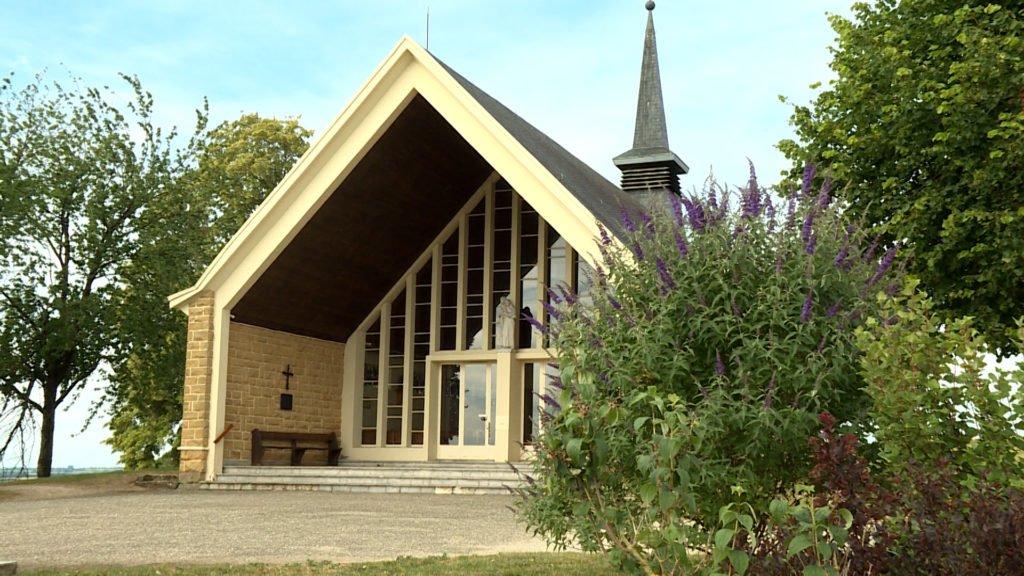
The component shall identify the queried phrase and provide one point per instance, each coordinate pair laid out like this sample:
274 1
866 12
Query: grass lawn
538 564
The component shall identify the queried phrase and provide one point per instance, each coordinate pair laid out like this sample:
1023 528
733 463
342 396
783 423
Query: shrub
711 341
936 399
933 525
837 525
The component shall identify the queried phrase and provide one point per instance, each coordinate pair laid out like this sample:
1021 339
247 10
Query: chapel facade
387 290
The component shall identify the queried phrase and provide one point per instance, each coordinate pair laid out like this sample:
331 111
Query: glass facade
473 292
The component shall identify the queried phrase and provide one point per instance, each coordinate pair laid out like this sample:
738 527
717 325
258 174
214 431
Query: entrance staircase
375 477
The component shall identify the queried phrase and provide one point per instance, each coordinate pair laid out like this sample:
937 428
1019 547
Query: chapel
385 292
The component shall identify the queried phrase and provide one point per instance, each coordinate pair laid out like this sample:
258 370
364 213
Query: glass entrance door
468 395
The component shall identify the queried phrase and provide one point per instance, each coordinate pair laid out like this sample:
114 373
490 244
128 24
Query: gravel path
199 527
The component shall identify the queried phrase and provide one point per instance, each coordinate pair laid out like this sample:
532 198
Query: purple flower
606 240
841 257
811 243
808 227
552 311
553 296
677 209
752 197
681 247
666 278
769 208
736 310
808 179
805 312
768 393
833 309
790 214
883 266
825 196
695 213
570 295
551 402
887 260
713 200
638 252
751 205
821 345
556 382
627 222
648 225
615 303
719 365
870 252
536 324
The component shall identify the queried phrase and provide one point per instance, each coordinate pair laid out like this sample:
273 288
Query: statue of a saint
505 323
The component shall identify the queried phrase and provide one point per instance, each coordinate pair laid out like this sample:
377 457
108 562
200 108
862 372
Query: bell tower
650 170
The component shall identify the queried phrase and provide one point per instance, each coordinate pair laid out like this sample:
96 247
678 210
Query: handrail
223 434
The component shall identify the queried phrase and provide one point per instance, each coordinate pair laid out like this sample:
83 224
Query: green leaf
746 521
778 509
723 537
639 422
798 544
740 561
814 570
847 517
573 448
581 509
648 492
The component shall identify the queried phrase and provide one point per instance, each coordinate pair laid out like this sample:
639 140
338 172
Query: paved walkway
199 527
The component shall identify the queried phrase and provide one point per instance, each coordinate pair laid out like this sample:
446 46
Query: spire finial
650 5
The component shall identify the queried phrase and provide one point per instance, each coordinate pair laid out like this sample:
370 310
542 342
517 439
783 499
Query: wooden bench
297 442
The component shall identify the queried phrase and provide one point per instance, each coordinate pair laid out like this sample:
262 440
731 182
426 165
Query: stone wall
195 421
256 359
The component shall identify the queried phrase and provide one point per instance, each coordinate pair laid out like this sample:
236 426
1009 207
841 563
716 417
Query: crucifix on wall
286 398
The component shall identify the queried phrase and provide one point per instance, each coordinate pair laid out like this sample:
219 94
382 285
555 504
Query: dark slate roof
602 198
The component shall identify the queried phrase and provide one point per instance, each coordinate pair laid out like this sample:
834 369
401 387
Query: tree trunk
45 463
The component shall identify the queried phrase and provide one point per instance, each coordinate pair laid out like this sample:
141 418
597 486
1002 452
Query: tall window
498 247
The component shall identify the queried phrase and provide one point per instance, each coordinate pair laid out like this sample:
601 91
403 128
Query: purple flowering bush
694 374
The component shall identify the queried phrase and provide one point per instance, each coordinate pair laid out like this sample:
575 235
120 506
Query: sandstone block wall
195 422
256 359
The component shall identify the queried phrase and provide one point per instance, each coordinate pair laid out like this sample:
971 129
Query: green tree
77 175
696 376
924 127
235 166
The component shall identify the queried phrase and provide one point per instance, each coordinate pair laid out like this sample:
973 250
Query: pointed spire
650 168
651 131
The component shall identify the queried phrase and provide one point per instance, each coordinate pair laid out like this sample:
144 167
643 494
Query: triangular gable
562 189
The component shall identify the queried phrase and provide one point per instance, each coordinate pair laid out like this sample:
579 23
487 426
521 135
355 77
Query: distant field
537 564
8 474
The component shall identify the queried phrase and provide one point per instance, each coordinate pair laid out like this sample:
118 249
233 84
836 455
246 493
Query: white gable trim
407 71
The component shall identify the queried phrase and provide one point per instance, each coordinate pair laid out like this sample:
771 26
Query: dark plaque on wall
286 401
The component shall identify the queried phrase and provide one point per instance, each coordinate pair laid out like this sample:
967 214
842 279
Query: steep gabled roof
332 191
602 198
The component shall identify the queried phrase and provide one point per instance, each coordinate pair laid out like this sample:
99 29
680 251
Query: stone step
390 477
366 481
504 473
342 488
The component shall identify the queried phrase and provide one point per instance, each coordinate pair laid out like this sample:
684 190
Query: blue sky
569 67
